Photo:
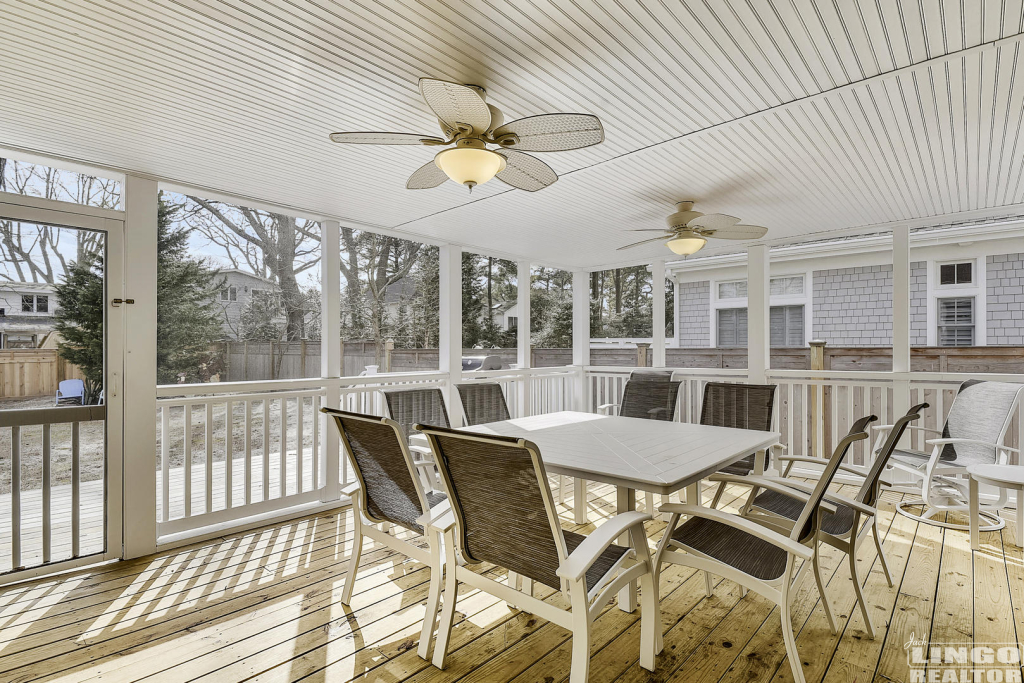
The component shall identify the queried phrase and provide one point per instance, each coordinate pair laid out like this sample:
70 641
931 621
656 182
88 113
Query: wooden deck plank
264 604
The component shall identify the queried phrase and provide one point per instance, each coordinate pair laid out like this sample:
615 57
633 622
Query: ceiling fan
469 123
688 230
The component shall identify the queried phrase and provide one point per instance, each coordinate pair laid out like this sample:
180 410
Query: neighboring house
26 314
966 290
238 290
398 294
505 315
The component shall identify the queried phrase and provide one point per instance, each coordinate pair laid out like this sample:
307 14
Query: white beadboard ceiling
810 118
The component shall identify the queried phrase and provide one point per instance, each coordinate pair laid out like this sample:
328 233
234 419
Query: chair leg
649 504
1019 531
561 489
433 595
878 548
974 504
357 551
579 501
451 595
858 588
709 590
580 666
718 495
650 604
821 591
790 639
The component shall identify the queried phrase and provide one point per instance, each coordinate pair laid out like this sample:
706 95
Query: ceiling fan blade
553 132
737 232
667 232
456 104
637 244
425 177
372 138
713 221
525 172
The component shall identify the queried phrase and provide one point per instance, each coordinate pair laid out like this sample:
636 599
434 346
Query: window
36 180
732 327
956 321
783 286
787 326
732 290
27 303
513 322
956 273
229 294
42 304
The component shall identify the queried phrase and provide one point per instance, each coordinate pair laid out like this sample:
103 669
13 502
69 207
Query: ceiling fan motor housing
683 215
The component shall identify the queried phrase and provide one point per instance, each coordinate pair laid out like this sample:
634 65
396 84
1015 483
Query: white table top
1009 474
650 455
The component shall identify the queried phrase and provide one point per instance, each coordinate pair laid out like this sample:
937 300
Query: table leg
579 500
1019 531
975 521
759 463
625 501
693 493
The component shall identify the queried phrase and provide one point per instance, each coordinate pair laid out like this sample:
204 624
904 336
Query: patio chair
517 527
482 402
776 507
756 556
972 435
70 390
410 406
388 492
739 406
649 395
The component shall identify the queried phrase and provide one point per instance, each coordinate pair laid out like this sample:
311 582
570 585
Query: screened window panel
782 286
732 327
787 326
956 273
956 322
732 290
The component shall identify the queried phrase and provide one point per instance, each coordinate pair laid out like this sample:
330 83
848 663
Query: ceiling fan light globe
470 166
686 243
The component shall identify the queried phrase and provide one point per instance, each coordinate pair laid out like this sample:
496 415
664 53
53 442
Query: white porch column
581 332
900 319
658 292
450 316
330 353
139 427
758 314
524 356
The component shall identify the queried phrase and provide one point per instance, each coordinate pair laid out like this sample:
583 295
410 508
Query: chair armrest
423 464
943 442
421 450
440 517
587 552
924 429
605 407
836 498
351 489
818 461
743 524
782 486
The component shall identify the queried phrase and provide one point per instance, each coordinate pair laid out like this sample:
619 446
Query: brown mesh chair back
504 516
483 402
740 406
650 395
410 406
807 525
868 493
391 490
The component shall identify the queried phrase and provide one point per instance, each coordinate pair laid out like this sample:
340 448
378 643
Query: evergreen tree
188 321
79 321
473 304
258 320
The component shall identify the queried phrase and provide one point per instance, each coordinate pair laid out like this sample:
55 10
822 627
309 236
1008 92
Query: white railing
605 385
232 450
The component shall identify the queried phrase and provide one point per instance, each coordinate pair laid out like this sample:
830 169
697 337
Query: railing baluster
283 471
229 453
187 455
300 451
266 449
316 441
165 465
16 497
76 491
208 408
248 451
46 494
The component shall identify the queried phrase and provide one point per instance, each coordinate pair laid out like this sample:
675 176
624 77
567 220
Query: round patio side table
1001 476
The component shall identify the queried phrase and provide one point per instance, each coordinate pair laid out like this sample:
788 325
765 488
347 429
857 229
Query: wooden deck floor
264 605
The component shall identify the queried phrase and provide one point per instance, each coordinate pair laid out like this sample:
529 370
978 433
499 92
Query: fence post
817 406
389 347
642 353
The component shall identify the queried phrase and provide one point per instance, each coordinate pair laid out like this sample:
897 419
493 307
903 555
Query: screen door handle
118 302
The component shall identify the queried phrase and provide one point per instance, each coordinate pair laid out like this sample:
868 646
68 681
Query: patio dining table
633 454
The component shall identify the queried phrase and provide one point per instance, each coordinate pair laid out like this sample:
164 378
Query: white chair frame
365 526
954 476
585 606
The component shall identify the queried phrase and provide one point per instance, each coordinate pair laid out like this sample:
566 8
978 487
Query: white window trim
804 300
976 290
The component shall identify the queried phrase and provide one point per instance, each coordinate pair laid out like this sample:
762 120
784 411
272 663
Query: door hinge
118 302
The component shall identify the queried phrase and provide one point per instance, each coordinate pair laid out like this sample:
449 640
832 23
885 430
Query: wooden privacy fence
33 372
